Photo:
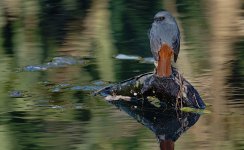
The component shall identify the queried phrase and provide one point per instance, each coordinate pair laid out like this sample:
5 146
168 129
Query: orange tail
167 145
164 63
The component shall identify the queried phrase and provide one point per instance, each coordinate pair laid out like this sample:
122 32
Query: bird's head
164 17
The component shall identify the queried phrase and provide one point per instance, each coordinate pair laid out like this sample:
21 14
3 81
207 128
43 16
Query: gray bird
164 38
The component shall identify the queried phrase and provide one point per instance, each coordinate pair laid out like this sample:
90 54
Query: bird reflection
167 124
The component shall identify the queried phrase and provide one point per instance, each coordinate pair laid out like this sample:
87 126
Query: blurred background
32 32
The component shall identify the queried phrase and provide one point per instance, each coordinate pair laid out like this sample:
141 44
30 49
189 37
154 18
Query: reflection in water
24 127
8 33
167 124
236 79
64 116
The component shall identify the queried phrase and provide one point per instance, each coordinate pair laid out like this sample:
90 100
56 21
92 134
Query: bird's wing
176 45
155 42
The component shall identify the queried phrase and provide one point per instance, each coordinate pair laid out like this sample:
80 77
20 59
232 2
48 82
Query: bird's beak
163 68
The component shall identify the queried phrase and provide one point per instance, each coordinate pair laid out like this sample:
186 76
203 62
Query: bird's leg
163 68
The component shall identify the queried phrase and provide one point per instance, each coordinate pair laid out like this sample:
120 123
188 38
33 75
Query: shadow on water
167 124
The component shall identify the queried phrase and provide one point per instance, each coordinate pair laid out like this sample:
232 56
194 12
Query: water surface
51 107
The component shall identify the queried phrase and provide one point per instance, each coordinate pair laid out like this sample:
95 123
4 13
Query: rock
175 90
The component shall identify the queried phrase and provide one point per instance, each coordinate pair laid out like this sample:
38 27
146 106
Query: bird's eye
159 19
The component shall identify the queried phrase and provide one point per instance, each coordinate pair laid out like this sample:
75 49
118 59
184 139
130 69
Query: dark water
47 104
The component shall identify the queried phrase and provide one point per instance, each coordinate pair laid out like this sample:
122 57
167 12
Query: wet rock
86 88
56 62
174 91
127 57
34 68
147 60
17 94
99 83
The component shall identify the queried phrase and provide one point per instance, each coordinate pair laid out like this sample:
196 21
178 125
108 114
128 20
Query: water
52 107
